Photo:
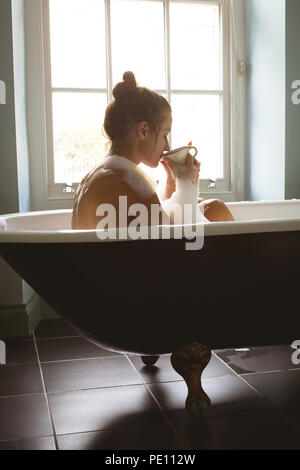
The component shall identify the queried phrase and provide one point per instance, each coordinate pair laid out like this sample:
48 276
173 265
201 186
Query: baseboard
18 321
46 311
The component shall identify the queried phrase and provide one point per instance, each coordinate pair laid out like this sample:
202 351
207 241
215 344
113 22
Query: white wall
18 31
10 284
292 165
8 159
265 99
14 161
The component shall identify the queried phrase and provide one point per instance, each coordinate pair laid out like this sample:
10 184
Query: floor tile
259 359
235 419
216 368
163 370
228 394
20 379
282 389
19 352
257 430
69 348
24 417
107 408
89 373
54 328
98 399
37 443
142 438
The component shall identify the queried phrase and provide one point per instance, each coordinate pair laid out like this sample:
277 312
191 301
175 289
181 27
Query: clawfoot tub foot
149 360
189 362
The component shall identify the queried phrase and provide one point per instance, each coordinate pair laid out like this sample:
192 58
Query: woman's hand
189 170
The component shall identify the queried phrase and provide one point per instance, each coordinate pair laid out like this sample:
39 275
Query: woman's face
158 143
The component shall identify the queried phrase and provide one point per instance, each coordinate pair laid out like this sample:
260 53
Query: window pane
138 41
79 144
195 46
197 118
77 40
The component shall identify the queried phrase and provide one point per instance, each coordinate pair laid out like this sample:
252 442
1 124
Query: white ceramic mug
179 155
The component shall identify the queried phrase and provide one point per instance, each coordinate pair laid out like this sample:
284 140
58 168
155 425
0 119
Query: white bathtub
152 296
250 217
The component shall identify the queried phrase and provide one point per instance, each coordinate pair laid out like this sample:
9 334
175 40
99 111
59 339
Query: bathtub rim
210 229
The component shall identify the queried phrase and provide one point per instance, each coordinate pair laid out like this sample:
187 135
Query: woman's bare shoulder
117 182
97 178
106 187
105 180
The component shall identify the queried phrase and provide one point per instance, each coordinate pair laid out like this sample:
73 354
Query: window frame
45 194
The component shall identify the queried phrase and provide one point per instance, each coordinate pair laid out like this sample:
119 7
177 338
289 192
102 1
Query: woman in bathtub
138 122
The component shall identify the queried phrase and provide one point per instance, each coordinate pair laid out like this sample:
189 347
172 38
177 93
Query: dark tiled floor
60 391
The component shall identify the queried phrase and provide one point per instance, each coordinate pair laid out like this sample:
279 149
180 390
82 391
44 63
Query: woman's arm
183 205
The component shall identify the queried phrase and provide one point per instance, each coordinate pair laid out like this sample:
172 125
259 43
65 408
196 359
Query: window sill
228 196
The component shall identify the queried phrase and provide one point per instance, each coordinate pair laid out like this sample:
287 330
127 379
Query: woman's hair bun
129 84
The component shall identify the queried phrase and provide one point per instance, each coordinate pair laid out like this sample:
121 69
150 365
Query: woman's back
116 177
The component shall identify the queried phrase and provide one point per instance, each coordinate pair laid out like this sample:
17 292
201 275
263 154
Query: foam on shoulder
133 175
116 162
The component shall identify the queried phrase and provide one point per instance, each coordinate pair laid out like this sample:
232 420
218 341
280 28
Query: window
179 48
